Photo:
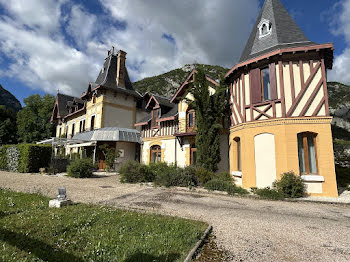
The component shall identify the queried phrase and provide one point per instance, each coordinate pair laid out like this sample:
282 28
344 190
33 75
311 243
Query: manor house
278 120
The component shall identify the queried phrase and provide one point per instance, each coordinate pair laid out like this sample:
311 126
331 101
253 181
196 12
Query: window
94 99
59 132
191 120
84 125
156 113
81 126
237 145
307 153
265 28
193 155
73 127
265 84
156 154
92 124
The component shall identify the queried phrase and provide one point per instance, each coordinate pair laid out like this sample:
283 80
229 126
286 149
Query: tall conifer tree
209 109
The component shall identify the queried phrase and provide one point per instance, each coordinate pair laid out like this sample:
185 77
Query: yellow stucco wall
286 148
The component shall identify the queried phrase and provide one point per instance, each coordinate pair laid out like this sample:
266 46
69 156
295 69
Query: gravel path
251 230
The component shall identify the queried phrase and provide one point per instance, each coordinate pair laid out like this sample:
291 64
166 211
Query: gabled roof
160 101
62 101
168 112
188 80
62 105
285 33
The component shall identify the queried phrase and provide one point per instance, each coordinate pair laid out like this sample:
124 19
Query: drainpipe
94 157
175 151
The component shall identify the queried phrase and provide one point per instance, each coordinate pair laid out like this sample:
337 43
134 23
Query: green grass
30 231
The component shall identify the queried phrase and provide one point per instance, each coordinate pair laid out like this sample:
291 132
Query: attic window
265 28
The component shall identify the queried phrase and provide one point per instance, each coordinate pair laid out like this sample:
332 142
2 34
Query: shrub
32 157
224 176
343 176
219 185
268 193
134 172
236 190
81 168
186 177
203 175
165 175
291 185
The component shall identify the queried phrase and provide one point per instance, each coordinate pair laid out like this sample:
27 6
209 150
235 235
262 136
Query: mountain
9 100
167 84
339 105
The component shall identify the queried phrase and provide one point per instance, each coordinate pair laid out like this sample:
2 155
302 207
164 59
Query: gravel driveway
251 230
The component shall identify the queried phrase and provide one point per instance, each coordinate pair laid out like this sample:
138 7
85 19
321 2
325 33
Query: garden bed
30 231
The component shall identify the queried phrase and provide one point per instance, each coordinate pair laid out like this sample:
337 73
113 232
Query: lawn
30 231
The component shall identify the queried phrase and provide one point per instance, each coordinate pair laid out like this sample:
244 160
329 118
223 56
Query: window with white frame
265 28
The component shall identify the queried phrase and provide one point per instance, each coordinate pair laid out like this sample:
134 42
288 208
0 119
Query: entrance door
265 160
102 165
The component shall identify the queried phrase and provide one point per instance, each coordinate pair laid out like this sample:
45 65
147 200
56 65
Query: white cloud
81 25
42 62
36 36
341 26
37 14
212 32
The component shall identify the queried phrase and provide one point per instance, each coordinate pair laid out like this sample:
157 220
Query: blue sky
61 44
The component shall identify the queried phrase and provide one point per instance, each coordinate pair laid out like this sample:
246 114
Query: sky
50 45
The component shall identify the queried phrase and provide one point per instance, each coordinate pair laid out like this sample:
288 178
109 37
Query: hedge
3 157
31 157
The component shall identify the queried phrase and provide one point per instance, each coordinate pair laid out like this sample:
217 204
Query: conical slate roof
284 32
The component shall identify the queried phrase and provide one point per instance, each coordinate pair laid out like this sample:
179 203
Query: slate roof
168 109
62 101
172 112
285 32
163 101
108 77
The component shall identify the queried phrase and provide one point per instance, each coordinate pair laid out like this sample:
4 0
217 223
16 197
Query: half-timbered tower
280 119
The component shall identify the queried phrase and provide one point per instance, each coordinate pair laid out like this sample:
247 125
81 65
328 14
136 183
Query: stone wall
12 159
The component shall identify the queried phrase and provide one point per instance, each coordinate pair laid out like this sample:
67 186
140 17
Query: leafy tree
8 128
33 121
209 114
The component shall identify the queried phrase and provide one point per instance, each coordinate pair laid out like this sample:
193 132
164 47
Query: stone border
198 245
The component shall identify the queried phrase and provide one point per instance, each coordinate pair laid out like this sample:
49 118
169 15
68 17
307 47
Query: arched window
307 153
191 120
265 28
156 154
238 158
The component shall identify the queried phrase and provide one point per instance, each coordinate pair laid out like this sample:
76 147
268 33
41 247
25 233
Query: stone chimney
121 70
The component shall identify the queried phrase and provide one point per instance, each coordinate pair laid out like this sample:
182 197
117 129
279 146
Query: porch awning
110 134
82 144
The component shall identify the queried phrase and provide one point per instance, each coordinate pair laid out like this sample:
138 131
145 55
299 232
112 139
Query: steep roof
108 76
285 33
62 102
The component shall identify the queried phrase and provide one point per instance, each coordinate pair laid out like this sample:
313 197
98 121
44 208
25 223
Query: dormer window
265 28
